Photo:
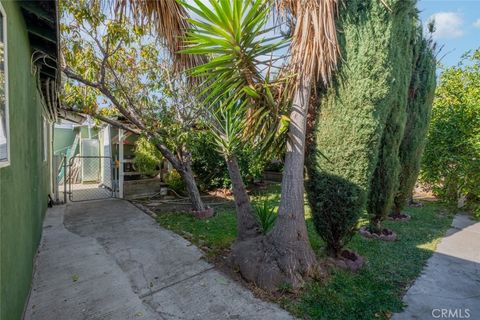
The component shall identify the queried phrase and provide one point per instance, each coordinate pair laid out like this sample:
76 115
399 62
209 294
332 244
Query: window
4 125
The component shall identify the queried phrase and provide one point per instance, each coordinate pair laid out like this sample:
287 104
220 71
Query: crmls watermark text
451 313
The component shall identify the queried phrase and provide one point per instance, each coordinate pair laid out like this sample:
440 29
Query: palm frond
169 19
314 47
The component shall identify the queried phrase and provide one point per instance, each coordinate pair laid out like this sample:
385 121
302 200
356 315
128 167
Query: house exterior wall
24 184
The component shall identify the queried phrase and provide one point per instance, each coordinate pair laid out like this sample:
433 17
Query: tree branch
72 75
105 91
110 121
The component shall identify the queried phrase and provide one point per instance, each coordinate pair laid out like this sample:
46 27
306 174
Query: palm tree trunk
247 226
289 235
285 255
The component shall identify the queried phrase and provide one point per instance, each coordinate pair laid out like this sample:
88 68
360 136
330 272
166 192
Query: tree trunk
285 255
289 235
192 189
247 226
185 170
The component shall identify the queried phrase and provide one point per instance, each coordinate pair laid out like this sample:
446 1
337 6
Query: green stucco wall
23 184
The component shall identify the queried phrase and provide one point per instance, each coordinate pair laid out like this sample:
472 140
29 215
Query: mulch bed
384 234
347 260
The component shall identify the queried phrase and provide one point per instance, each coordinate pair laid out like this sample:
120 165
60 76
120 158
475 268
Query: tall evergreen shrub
385 180
419 107
355 107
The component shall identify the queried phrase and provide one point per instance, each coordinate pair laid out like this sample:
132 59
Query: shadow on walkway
449 286
108 260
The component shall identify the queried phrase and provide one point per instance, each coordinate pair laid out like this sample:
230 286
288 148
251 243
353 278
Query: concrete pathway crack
142 296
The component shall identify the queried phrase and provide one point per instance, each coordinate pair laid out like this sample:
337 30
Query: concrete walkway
449 287
108 260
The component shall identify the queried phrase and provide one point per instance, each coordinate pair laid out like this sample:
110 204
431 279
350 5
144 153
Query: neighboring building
93 155
29 78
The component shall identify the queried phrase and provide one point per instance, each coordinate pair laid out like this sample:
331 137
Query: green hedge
355 108
385 180
419 107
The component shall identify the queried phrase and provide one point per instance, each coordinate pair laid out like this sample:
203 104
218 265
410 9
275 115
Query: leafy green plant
210 167
451 162
155 99
266 216
476 212
147 157
174 181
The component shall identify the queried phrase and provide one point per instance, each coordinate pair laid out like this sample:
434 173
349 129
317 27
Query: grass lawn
374 292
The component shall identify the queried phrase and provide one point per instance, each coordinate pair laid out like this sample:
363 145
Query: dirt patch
160 206
216 199
422 193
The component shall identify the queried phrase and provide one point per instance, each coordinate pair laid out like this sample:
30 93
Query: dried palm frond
314 47
169 19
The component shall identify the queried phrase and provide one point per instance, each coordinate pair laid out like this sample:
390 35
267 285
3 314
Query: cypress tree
385 179
375 42
420 100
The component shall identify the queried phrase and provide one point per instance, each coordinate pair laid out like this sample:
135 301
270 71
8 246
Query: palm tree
314 52
170 20
285 255
234 89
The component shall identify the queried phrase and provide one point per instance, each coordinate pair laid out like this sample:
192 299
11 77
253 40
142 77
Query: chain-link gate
91 178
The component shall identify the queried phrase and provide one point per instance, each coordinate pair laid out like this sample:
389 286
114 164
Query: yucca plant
266 216
233 34
239 98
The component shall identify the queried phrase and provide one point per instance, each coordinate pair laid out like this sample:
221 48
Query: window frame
6 163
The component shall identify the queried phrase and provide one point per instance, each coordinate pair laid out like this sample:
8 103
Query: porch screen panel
90 166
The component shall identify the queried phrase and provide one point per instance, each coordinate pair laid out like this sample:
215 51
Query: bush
174 181
266 216
451 162
336 204
147 157
210 167
274 166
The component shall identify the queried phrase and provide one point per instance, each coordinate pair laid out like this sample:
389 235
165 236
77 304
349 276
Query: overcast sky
457 26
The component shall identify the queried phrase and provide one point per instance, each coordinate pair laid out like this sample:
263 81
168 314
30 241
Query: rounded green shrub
334 202
147 157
